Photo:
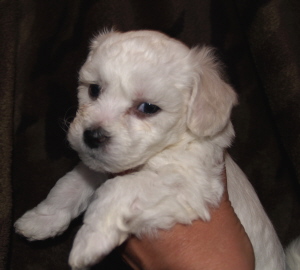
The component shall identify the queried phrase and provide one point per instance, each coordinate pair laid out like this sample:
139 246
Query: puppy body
173 151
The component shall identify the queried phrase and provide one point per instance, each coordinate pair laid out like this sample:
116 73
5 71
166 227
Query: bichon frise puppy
154 118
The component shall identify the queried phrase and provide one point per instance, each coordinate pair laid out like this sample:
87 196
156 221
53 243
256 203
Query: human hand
220 244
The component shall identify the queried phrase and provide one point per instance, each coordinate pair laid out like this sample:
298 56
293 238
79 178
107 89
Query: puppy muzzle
95 138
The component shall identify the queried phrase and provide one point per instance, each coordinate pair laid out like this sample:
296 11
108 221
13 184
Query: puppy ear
212 98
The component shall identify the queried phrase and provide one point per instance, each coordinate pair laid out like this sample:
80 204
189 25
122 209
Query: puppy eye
94 90
148 108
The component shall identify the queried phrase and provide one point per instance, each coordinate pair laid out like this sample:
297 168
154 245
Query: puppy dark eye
148 108
94 91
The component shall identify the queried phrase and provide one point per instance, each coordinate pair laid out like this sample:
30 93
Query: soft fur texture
175 156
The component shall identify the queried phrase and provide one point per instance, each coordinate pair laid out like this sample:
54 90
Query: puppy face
139 93
133 97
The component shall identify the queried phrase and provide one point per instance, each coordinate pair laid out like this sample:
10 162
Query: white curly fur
176 154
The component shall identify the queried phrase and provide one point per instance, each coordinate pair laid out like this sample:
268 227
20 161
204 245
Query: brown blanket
42 46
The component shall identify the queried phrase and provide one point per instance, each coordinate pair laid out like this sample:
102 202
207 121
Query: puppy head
130 101
141 92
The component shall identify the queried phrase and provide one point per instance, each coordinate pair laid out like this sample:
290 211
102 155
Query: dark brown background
42 46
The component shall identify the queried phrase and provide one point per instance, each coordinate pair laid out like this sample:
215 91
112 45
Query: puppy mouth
92 155
99 160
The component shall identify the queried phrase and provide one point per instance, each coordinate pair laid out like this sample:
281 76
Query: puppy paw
91 246
38 226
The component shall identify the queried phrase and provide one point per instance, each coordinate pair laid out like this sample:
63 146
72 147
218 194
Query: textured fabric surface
44 43
8 35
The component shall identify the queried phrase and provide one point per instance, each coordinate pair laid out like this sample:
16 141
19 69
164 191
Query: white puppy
154 116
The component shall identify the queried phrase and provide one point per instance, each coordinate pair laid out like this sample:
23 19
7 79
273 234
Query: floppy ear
212 98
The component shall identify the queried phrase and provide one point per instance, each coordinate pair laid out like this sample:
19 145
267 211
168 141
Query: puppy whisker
68 119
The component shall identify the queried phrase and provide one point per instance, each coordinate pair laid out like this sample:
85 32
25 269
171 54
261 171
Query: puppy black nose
94 138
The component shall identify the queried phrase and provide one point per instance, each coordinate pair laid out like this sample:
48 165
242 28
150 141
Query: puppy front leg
137 204
67 199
